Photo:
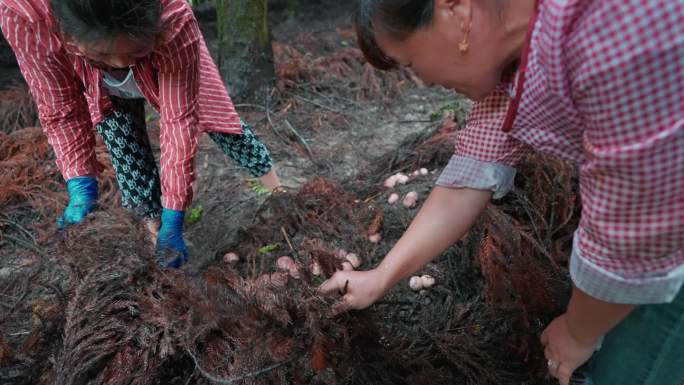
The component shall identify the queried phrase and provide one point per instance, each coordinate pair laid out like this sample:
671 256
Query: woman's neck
517 15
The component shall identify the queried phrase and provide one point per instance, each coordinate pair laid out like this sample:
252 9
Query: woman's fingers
338 284
335 284
552 362
342 306
544 338
564 374
357 289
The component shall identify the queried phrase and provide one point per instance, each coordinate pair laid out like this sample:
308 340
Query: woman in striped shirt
93 63
598 83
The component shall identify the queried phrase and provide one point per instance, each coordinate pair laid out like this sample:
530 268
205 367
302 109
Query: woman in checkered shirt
598 83
93 63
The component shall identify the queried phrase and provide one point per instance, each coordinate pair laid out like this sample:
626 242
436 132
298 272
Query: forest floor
88 306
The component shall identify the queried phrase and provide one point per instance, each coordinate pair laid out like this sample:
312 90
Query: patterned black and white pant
125 136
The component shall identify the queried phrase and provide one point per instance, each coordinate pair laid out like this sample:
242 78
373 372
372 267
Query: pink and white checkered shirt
179 79
604 88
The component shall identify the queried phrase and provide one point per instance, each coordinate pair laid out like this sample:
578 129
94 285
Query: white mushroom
401 178
428 281
393 198
375 238
286 263
411 199
316 269
424 171
415 283
354 260
231 258
390 182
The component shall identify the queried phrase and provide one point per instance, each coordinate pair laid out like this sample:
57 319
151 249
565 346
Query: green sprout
258 187
268 249
457 108
194 215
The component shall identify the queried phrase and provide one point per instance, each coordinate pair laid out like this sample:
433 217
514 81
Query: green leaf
268 249
258 187
194 215
150 118
457 108
435 116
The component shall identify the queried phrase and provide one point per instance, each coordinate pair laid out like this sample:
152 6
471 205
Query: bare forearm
590 318
444 219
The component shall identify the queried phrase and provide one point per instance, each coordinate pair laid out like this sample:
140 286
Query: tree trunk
245 57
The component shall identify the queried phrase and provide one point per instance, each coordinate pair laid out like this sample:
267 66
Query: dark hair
93 20
396 18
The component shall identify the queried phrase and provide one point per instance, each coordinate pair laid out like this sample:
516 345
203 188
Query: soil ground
345 132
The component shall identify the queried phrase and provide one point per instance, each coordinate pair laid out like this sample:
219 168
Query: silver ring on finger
552 365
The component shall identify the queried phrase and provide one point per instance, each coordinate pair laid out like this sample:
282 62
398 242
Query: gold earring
464 45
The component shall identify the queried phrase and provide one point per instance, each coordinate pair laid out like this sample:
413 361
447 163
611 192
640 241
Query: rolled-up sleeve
57 91
485 156
629 247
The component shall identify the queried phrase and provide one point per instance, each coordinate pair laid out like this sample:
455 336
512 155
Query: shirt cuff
92 168
463 172
175 204
612 287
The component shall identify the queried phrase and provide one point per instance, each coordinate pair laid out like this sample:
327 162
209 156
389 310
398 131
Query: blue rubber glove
82 198
170 239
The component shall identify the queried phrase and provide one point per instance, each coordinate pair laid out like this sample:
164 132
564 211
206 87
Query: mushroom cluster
411 199
418 283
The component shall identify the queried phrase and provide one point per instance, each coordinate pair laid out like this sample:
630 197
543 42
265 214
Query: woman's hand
83 194
564 352
445 216
271 180
170 240
359 289
571 339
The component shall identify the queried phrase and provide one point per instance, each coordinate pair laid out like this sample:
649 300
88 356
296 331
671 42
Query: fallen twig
289 243
303 99
7 220
301 140
26 245
229 381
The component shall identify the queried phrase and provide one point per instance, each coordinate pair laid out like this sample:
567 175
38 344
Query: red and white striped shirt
179 79
603 87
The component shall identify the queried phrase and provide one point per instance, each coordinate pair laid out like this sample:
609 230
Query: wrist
382 283
86 176
82 179
580 334
82 187
386 275
588 318
172 218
